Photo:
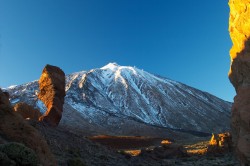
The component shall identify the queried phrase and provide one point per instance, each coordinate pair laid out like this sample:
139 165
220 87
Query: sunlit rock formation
13 128
27 111
239 28
220 143
52 93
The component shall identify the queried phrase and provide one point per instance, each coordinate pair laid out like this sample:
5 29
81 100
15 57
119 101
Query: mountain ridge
112 94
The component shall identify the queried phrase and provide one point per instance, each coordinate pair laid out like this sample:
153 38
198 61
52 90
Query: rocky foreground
41 144
74 149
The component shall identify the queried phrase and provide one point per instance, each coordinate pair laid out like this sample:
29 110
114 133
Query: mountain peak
116 95
111 66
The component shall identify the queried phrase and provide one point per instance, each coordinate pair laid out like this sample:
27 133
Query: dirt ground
127 142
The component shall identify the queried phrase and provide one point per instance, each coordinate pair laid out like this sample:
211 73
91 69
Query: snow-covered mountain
122 97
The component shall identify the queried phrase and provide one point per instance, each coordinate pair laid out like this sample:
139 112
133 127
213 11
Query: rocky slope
125 100
239 25
71 148
13 128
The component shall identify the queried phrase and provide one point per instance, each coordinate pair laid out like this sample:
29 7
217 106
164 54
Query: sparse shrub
19 153
74 152
75 162
5 160
103 157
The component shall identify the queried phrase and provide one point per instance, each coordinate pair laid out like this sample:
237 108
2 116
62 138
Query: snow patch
110 66
78 106
14 101
41 106
119 77
12 87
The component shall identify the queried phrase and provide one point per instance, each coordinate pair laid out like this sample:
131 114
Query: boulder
52 93
239 75
27 111
13 128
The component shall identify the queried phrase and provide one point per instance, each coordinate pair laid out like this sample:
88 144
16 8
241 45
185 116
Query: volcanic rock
27 111
13 128
52 93
220 143
239 27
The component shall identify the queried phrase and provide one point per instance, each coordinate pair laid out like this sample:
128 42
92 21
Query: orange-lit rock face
52 93
222 140
220 143
239 28
239 25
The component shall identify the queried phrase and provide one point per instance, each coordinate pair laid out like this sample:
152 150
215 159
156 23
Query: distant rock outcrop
52 93
27 111
220 143
14 128
239 27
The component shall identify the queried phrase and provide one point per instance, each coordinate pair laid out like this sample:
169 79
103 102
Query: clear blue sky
186 41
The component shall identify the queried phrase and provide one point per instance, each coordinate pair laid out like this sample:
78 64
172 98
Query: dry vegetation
199 148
